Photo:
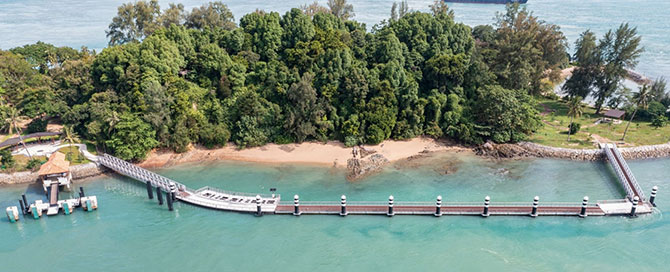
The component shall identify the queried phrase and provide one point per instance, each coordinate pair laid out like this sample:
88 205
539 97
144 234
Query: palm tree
575 109
12 117
69 136
641 100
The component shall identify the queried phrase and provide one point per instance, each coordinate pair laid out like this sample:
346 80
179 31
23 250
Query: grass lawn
555 127
22 162
73 155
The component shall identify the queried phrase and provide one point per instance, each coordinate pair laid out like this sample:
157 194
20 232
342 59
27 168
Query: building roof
614 113
16 140
56 165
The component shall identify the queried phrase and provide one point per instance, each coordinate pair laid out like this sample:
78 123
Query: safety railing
629 173
207 188
619 172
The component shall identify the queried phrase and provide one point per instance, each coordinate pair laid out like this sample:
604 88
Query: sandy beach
332 153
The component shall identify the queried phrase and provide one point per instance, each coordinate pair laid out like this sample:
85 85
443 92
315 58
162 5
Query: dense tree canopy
171 79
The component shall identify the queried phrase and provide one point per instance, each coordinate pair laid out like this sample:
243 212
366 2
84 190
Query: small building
55 172
613 116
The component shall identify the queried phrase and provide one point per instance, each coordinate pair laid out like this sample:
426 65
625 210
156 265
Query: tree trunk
628 125
570 127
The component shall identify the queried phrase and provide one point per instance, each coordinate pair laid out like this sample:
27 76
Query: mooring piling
81 192
438 206
150 192
633 208
296 205
259 211
585 203
390 211
536 202
652 198
487 201
343 205
23 207
23 196
169 201
159 194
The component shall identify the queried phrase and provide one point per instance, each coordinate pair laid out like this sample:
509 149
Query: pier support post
258 206
296 205
159 194
169 201
585 203
390 211
343 202
150 191
23 196
81 192
636 199
487 201
173 191
536 202
438 206
652 198
23 207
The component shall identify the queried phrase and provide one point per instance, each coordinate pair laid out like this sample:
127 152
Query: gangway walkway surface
623 172
53 194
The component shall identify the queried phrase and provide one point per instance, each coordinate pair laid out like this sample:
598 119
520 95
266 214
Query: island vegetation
171 78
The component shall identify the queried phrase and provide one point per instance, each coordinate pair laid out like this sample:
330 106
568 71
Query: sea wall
78 172
527 149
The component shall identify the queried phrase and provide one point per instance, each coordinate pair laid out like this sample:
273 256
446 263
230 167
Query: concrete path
48 149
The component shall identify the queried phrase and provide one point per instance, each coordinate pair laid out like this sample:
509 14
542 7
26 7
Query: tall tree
575 109
641 100
620 51
133 22
589 64
211 15
341 9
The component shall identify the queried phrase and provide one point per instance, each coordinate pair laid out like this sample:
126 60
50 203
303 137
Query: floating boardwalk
634 203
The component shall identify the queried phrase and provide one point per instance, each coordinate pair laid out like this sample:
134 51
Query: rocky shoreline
527 149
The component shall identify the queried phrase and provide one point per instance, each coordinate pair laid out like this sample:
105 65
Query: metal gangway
623 172
206 196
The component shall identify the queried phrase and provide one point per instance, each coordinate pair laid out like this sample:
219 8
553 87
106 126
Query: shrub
37 125
33 164
7 160
574 127
659 121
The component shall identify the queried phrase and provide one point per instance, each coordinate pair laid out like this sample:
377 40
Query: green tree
620 51
7 160
341 9
132 138
589 64
211 15
133 22
575 109
641 100
505 115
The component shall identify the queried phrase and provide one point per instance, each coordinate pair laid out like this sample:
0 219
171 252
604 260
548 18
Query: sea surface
79 23
129 232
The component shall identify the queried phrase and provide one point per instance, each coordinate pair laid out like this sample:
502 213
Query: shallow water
131 233
83 22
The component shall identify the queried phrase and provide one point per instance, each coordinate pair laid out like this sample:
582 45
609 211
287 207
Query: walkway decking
623 173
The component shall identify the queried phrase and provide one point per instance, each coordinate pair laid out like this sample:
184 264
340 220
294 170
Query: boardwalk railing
444 204
629 173
619 172
128 169
207 188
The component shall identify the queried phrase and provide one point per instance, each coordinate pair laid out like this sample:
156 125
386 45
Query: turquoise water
131 233
83 22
